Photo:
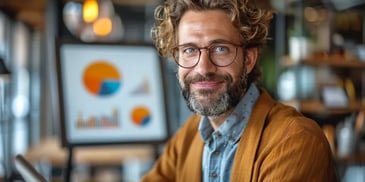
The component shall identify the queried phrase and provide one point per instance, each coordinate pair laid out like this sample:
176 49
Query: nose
204 65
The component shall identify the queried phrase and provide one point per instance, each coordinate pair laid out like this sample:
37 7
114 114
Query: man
239 133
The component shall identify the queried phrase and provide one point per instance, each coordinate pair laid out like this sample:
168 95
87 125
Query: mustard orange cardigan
278 144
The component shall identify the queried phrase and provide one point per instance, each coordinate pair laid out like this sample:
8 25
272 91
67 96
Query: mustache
208 77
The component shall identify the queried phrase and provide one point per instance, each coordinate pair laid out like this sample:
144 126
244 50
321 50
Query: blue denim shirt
220 145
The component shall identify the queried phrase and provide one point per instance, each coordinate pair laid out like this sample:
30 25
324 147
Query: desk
50 150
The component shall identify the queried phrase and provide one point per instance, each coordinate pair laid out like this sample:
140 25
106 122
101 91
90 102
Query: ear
251 58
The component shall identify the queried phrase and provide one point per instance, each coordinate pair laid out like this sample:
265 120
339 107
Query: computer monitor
111 93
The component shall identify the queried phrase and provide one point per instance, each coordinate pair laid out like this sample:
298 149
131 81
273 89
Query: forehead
205 26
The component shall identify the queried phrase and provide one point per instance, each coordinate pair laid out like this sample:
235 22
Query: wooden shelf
333 61
317 107
356 158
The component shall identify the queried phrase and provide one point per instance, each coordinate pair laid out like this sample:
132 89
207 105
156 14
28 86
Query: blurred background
315 61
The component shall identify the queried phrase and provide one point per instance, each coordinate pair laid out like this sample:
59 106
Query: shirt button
219 135
214 175
216 152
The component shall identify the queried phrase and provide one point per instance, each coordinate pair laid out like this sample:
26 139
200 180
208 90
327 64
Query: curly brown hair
252 22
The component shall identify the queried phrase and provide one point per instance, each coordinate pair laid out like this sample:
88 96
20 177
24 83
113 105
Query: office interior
314 61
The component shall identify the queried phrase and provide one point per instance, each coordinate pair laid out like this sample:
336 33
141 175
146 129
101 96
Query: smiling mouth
206 84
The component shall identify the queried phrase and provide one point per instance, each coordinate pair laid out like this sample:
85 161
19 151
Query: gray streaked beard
224 102
220 106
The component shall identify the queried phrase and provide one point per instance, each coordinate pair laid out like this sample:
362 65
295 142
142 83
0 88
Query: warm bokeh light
311 14
102 26
93 20
90 11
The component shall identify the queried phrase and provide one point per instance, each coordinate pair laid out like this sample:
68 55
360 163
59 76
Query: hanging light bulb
90 10
102 26
100 22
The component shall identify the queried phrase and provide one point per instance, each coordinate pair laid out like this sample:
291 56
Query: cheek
235 72
237 68
181 76
182 73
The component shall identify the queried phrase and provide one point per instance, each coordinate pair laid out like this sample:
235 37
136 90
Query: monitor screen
111 93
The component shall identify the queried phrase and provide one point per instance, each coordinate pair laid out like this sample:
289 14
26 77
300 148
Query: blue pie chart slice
109 86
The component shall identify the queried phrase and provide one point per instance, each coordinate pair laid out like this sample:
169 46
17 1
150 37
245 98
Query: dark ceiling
32 12
28 11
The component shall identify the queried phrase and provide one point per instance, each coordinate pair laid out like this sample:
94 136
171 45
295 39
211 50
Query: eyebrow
215 41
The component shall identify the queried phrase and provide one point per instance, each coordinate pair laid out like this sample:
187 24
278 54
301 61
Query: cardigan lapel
245 155
192 171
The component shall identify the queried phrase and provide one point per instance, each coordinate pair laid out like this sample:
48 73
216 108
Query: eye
219 49
189 50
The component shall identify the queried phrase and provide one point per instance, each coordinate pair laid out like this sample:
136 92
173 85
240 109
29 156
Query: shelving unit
302 78
343 66
335 62
331 61
316 106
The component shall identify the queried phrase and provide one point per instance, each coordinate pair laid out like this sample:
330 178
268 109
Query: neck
217 121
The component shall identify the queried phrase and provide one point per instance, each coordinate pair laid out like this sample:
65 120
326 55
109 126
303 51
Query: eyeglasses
220 54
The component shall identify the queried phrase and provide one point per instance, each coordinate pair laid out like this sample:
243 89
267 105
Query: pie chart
101 78
140 116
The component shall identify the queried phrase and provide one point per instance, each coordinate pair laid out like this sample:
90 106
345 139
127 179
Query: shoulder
283 118
288 130
283 121
289 121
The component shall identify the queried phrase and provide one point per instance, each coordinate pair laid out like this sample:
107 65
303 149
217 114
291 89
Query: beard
209 102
